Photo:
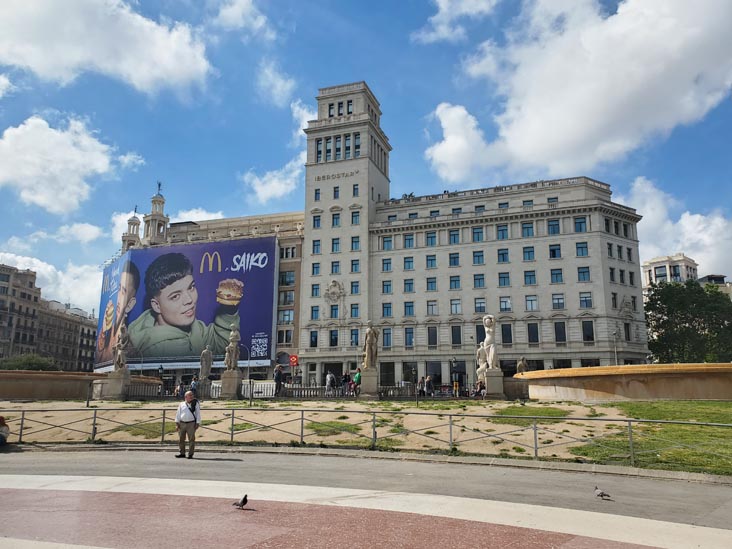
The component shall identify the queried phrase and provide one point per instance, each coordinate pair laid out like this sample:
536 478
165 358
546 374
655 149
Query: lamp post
160 375
615 346
416 390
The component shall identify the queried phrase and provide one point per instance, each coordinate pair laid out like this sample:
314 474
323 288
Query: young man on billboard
129 283
169 327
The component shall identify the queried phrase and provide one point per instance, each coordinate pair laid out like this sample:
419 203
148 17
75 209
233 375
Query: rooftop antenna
160 186
135 209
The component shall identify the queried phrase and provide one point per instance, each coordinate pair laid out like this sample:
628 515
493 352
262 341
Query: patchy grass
154 429
342 417
705 411
330 428
245 426
529 411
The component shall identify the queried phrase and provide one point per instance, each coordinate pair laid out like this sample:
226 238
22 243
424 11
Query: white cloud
277 183
244 15
442 26
58 41
580 87
50 167
301 114
5 85
274 86
667 228
81 233
130 161
79 284
195 214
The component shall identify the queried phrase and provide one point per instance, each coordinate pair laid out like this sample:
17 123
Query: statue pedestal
231 384
494 384
204 389
369 382
114 387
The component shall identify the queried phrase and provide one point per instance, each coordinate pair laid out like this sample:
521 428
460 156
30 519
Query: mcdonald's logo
210 257
293 360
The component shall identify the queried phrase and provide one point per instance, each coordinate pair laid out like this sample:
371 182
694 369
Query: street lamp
615 346
160 375
416 389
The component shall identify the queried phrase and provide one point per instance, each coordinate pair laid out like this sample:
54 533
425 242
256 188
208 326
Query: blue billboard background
209 308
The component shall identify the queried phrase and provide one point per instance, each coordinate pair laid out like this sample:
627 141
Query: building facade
669 268
19 302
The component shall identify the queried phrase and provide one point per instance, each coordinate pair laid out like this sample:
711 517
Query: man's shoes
180 455
190 456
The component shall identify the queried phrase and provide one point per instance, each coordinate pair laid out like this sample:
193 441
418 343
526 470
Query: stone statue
120 355
481 357
206 363
231 359
521 366
234 336
489 343
370 345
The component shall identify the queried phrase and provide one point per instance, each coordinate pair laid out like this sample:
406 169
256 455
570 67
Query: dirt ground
399 424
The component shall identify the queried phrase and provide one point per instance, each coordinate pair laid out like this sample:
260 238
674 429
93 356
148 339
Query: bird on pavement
601 493
241 503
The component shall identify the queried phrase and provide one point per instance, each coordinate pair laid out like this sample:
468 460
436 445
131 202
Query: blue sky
99 99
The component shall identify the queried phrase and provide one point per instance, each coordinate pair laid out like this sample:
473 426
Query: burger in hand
230 291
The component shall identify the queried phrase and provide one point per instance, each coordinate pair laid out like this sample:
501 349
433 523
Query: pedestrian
357 382
420 386
345 382
278 380
194 387
187 421
4 431
429 387
330 382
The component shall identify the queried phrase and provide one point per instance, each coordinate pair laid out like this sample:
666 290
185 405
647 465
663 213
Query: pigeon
241 503
601 493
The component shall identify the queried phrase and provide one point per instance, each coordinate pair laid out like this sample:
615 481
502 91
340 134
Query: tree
689 323
27 362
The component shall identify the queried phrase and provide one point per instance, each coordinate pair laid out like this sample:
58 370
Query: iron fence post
630 443
231 436
162 430
22 423
302 426
373 430
536 441
94 426
449 419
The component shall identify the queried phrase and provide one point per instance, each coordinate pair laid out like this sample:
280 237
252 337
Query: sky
101 99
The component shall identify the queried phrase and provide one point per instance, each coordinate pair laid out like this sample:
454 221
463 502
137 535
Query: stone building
669 268
19 302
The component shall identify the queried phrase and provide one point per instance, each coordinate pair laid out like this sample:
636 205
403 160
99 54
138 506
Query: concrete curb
560 466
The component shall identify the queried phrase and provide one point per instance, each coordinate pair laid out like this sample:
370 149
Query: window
354 310
502 205
331 110
286 317
455 282
560 332
529 278
386 243
532 303
607 225
626 230
355 287
558 302
585 300
527 203
328 149
386 265
478 281
335 267
409 337
355 243
626 330
555 251
391 217
356 145
504 304
355 266
622 276
629 254
614 300
588 330
432 308
387 338
412 215
318 150
660 273
432 336
334 311
501 232
527 229
314 338
348 146
336 220
409 241
504 279
552 200
335 245
609 250
454 236
336 192
432 284
455 307
503 255
479 208
338 147
316 246
557 277
582 250
287 278
316 269
506 334
386 286
409 308
478 234
454 260
612 274
431 261
355 218
456 335
631 278
431 238
434 213
634 302
457 211
552 226
314 312
287 297
408 263
354 337
580 224
583 274
533 330
284 337
333 338
479 304
349 106
528 253
616 226
386 310
408 285
316 222
620 252
478 258
315 290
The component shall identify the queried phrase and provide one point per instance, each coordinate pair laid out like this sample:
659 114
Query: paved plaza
148 499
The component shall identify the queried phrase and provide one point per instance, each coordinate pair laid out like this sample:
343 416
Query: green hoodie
168 341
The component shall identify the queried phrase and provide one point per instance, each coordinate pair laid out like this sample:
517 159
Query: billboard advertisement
167 303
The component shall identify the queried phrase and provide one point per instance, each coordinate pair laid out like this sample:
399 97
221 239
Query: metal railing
694 446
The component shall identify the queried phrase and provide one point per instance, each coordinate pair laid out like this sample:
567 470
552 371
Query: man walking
187 421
